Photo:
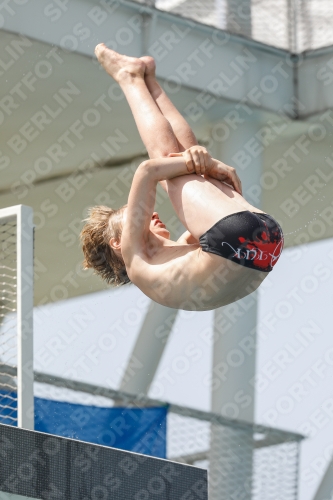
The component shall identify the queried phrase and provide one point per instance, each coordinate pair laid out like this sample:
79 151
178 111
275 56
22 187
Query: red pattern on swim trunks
264 251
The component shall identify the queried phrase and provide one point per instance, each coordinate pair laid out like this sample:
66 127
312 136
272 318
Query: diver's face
158 227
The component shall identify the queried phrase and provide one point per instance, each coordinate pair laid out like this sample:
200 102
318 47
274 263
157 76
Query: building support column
148 349
325 489
230 472
234 358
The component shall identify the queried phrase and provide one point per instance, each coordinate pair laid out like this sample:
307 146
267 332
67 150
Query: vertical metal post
239 17
292 26
297 475
25 277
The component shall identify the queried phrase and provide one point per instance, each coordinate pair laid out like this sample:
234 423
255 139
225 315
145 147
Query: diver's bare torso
184 277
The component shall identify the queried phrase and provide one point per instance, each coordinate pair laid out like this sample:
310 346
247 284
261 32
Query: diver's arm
141 202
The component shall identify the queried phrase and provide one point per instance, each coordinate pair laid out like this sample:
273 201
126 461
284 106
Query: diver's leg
181 128
199 204
155 130
231 193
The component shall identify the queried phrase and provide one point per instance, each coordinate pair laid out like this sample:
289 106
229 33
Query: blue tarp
142 430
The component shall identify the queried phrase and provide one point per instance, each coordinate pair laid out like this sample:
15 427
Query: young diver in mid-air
229 247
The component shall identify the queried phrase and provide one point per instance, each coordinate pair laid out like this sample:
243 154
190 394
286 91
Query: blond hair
103 224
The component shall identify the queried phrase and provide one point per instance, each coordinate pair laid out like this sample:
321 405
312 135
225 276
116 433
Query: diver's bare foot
150 66
117 65
150 78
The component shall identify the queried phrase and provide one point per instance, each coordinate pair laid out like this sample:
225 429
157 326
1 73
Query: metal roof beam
188 53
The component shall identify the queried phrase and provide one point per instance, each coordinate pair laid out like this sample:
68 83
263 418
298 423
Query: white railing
16 315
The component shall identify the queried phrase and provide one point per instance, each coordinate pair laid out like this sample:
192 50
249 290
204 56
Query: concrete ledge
186 52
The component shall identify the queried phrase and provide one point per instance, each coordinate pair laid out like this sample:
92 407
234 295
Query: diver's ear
115 244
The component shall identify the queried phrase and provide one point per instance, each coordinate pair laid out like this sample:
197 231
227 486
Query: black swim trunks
254 240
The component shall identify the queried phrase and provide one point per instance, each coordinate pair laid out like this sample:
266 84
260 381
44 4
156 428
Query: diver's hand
197 159
224 173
